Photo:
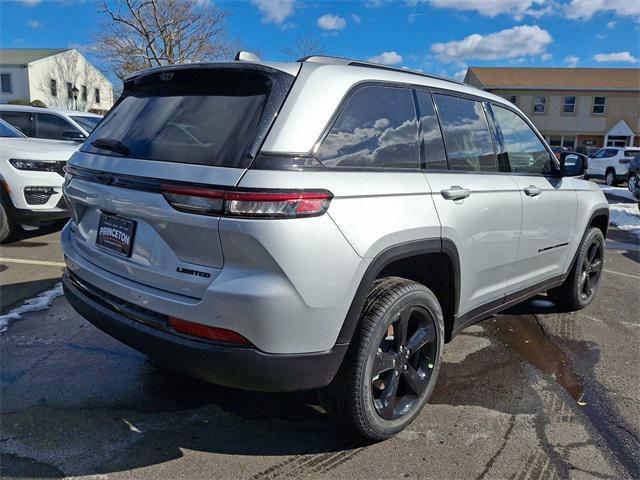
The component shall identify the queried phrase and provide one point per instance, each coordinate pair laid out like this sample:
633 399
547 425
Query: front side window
52 126
5 81
525 151
23 121
466 134
431 136
53 86
377 128
88 123
569 105
539 104
599 105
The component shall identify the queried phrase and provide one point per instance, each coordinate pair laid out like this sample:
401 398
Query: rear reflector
206 332
241 203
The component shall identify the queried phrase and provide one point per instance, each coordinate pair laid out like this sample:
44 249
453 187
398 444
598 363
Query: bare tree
303 46
137 34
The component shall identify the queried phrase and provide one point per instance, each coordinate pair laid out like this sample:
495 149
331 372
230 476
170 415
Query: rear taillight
624 160
243 203
206 332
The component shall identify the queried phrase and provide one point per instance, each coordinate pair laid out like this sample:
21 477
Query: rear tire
633 183
581 286
610 178
393 361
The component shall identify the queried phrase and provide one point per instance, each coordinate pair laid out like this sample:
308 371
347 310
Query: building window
539 104
599 105
54 88
69 90
512 98
5 79
97 95
569 105
555 141
84 93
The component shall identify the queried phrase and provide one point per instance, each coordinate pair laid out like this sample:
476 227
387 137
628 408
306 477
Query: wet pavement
530 394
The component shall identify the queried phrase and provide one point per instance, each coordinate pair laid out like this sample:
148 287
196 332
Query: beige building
572 107
59 77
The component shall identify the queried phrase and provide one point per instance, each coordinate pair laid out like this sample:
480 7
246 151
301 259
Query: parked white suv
32 173
611 164
50 123
325 223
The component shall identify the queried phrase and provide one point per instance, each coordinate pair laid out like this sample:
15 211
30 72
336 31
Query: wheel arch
392 261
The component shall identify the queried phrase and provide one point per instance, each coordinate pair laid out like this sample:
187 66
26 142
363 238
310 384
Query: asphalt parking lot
529 394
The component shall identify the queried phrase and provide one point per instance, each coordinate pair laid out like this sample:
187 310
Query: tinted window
193 118
431 135
88 123
610 152
23 121
377 129
525 152
7 132
52 126
466 134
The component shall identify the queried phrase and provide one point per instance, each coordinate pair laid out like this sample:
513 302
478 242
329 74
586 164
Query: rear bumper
237 367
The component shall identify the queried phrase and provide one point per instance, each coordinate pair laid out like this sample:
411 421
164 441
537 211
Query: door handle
532 191
456 192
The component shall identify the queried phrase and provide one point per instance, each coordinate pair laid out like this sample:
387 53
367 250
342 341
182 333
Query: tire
610 178
633 183
581 286
405 377
8 226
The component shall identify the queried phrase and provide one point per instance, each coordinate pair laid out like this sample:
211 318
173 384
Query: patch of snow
625 216
622 192
35 304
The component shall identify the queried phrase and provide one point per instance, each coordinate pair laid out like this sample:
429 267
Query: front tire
581 286
8 226
633 183
393 361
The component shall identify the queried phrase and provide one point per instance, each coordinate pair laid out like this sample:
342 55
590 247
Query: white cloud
572 61
611 24
585 9
459 75
387 58
623 57
34 23
545 57
30 3
356 18
331 22
510 43
274 11
492 8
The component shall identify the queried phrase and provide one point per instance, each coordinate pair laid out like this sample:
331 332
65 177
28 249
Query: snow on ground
625 216
622 192
35 304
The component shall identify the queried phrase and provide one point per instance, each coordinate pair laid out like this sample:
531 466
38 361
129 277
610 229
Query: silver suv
325 223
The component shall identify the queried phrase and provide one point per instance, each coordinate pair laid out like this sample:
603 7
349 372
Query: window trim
10 84
533 104
564 104
593 106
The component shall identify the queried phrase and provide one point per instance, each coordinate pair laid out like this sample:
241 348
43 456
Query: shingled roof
554 78
23 56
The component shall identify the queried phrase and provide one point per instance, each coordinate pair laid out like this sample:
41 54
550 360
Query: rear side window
632 153
52 126
23 121
525 152
466 134
430 134
203 118
377 128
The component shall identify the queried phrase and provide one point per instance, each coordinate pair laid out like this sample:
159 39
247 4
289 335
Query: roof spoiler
246 57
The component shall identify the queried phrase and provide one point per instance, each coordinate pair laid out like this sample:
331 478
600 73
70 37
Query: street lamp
75 92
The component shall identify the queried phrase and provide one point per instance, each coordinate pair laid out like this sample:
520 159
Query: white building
50 75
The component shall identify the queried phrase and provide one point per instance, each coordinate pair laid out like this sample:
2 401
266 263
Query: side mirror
73 135
573 164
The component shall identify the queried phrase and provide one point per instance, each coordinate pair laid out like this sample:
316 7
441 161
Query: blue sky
438 36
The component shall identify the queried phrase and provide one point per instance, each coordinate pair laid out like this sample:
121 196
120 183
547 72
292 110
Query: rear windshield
204 118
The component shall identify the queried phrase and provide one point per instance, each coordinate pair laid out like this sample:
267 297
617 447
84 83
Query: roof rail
358 63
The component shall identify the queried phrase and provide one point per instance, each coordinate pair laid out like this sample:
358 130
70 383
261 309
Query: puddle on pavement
523 334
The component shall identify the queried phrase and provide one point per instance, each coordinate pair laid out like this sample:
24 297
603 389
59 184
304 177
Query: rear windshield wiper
111 144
